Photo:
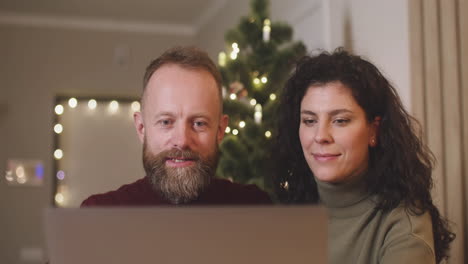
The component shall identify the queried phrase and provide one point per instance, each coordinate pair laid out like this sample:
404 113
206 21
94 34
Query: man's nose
322 134
181 136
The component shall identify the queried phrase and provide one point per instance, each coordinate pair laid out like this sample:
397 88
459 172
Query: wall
36 64
377 30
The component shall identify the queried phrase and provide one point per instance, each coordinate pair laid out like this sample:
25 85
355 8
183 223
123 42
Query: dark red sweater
220 192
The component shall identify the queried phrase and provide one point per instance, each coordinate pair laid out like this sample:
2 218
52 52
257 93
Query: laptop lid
269 234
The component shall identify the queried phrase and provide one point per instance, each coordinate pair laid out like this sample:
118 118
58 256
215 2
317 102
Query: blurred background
52 51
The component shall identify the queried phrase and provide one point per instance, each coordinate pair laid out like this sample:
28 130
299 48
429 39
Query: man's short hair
187 57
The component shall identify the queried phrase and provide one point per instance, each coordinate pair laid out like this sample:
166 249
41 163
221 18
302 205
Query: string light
253 102
58 128
256 81
21 180
9 176
266 30
272 96
20 172
258 117
222 59
113 106
235 51
233 96
73 102
92 104
258 108
267 134
61 175
235 132
59 198
227 130
241 124
264 79
136 106
58 154
233 55
59 109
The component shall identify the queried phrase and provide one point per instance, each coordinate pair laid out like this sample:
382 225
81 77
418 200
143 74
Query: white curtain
439 70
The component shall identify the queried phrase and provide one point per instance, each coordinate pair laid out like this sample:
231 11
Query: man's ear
139 125
223 123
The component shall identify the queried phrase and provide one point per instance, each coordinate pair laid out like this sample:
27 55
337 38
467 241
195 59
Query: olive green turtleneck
360 234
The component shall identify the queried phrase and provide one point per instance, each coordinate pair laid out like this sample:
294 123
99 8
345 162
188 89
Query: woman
346 141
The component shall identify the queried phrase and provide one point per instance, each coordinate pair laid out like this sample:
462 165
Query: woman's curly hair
400 165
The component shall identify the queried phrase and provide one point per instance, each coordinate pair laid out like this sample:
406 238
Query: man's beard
179 184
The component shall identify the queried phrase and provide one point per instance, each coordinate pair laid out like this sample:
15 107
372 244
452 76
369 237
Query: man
181 125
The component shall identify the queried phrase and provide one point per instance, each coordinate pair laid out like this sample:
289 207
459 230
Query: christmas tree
259 57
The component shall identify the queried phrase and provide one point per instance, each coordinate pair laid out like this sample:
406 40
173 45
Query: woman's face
334 133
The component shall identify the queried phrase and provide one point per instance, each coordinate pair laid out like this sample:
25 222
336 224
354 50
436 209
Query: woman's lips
325 157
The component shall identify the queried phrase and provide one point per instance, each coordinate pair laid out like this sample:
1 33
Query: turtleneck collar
347 199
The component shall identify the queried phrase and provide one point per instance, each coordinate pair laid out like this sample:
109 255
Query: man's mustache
176 153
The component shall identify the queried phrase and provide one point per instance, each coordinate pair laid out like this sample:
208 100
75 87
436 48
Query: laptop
195 235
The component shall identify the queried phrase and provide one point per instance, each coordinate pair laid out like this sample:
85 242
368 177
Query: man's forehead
173 84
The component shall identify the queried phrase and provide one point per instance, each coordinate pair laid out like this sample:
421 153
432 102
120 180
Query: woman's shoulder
408 234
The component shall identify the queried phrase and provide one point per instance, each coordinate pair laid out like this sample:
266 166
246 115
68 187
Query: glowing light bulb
58 154
253 102
227 130
233 96
272 96
264 79
21 180
267 134
258 117
258 108
92 104
241 124
59 198
135 106
59 109
266 30
61 175
235 132
20 172
256 81
58 128
222 59
235 46
233 55
113 106
9 176
72 102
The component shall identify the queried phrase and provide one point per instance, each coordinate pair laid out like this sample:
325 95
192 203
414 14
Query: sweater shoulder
240 193
407 232
125 194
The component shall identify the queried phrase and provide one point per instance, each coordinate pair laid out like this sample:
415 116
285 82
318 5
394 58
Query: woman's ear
374 126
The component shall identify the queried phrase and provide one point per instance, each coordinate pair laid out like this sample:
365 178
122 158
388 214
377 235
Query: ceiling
188 15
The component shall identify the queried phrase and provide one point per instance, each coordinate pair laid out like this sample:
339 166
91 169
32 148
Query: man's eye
165 122
200 124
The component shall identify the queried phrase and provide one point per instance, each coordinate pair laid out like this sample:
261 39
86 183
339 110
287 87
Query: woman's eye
341 121
309 121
